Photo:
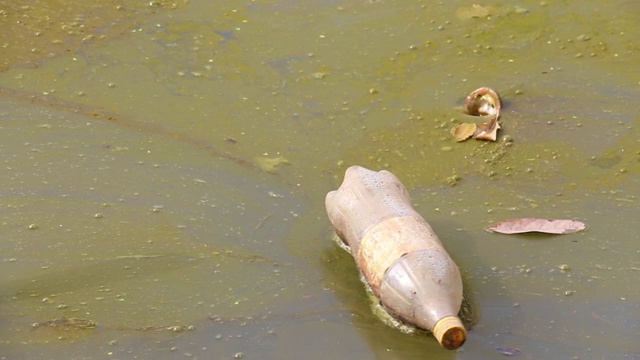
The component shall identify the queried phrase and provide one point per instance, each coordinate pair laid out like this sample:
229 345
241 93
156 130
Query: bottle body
424 288
398 253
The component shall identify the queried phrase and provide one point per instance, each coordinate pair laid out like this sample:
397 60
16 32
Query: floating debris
546 226
398 254
508 351
464 131
65 323
481 102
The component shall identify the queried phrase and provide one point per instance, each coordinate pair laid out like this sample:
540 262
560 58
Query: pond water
165 166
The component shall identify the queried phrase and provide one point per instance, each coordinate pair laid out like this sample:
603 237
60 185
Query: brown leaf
464 131
547 226
488 130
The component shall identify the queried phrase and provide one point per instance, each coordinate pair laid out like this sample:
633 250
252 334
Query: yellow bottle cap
450 332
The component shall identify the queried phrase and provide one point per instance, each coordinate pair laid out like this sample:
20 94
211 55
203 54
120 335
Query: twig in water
261 221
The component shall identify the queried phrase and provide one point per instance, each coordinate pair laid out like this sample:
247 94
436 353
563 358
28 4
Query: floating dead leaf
547 226
488 130
473 11
508 351
464 131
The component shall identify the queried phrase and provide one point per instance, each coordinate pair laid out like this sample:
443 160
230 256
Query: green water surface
165 165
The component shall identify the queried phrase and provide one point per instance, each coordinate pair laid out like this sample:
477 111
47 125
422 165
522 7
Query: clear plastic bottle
398 253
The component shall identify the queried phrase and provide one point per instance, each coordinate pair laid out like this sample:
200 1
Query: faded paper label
387 241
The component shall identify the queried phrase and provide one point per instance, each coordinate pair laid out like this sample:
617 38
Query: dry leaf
547 226
488 130
464 131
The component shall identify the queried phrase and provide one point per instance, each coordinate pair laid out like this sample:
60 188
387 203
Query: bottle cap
450 332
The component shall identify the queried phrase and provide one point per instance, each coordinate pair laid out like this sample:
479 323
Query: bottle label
389 240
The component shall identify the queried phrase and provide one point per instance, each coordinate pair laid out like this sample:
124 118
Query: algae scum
165 166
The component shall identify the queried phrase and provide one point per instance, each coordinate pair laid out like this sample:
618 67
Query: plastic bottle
400 256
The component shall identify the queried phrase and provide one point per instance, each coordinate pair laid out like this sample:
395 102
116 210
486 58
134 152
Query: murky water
165 166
